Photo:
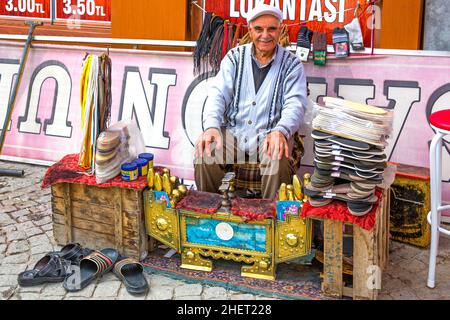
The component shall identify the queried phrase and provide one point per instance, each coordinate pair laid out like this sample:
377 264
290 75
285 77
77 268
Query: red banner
84 10
317 15
26 9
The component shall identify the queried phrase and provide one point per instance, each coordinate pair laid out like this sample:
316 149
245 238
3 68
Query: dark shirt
259 74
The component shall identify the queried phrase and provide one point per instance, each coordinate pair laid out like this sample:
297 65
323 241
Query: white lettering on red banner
84 10
26 9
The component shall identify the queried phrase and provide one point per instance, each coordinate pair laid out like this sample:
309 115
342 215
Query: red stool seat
441 119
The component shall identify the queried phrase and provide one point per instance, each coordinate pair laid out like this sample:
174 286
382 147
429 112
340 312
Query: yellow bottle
166 184
158 182
282 195
297 188
151 178
290 192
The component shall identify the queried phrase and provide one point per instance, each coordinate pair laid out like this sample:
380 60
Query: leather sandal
50 268
73 252
93 266
130 272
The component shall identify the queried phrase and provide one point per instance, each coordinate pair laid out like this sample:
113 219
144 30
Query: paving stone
25 204
241 296
210 293
107 289
47 227
5 220
76 298
12 269
85 293
6 292
17 235
16 259
165 281
33 232
403 294
44 248
160 293
2 248
51 297
188 290
19 213
29 296
124 295
17 247
188 298
2 239
34 289
39 240
41 222
7 209
8 280
23 219
23 226
53 289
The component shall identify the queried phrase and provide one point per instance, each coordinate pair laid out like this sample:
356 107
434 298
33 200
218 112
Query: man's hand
205 141
275 145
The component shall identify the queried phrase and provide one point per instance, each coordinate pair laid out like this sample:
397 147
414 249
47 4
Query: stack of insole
112 152
349 154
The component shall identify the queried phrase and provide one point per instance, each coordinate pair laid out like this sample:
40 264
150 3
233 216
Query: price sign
84 10
26 9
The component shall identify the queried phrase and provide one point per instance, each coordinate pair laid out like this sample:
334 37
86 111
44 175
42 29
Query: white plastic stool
440 122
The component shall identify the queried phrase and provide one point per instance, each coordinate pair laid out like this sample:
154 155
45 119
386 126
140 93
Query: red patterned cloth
338 210
201 202
67 170
254 209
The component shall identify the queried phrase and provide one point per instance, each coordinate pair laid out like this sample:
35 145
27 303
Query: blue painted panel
245 236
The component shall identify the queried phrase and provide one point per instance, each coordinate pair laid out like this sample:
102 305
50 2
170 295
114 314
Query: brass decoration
183 190
191 259
293 238
161 222
285 240
174 181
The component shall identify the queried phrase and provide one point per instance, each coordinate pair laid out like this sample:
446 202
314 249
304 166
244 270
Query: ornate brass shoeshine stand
260 245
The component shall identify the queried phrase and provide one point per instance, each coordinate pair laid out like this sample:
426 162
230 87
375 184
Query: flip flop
50 268
130 272
92 267
73 252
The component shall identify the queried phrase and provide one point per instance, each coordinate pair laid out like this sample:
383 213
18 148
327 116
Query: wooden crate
100 218
370 256
410 204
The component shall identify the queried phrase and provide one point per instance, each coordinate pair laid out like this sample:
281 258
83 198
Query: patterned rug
295 281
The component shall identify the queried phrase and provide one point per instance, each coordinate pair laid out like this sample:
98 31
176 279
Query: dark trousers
209 171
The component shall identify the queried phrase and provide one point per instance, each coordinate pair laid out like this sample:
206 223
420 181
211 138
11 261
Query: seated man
255 105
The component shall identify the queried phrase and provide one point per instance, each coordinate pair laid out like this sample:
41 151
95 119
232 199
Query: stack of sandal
112 152
77 267
349 154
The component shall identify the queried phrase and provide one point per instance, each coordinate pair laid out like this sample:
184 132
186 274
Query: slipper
73 252
130 272
51 268
92 267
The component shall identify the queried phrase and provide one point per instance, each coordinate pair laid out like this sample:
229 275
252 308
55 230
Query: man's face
265 33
